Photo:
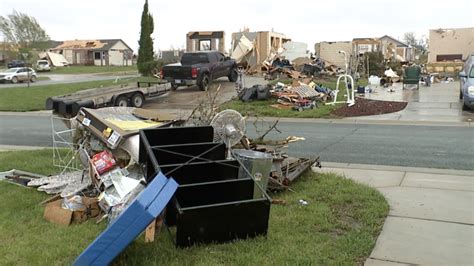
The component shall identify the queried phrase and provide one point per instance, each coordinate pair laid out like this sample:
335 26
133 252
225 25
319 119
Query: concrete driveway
182 101
438 103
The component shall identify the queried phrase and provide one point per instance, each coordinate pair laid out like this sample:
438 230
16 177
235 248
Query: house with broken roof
205 41
450 45
253 48
394 49
103 52
390 47
329 52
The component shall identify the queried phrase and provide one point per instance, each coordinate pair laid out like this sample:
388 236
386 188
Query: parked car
466 77
16 63
200 68
42 65
18 74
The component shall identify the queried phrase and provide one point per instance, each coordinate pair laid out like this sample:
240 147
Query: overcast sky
302 21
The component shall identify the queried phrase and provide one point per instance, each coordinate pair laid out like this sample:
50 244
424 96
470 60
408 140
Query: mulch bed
369 107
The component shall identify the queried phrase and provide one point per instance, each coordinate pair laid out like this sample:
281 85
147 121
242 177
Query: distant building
390 47
394 49
450 44
205 41
261 44
104 52
170 55
329 52
361 46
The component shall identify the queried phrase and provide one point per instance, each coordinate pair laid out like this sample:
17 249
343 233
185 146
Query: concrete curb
362 121
397 168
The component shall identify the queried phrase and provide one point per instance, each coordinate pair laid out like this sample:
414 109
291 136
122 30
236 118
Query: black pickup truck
199 68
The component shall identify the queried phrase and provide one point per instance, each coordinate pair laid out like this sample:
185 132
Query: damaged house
390 47
205 41
105 52
450 44
329 52
394 49
253 48
448 48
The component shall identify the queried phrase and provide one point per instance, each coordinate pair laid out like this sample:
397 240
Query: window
97 55
471 75
204 45
448 57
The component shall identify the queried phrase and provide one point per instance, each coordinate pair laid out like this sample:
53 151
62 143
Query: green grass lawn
94 69
339 226
264 108
34 98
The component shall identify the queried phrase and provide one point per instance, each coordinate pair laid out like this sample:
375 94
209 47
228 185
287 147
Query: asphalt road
399 145
66 78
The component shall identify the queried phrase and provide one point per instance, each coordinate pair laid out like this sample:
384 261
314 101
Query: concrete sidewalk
431 214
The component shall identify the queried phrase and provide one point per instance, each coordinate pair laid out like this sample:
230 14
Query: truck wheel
204 85
137 100
14 80
233 75
121 101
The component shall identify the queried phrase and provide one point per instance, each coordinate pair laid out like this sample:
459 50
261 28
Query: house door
78 58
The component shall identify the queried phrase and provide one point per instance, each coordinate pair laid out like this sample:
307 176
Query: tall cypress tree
145 50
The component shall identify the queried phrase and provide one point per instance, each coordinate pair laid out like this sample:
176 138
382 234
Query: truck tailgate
177 71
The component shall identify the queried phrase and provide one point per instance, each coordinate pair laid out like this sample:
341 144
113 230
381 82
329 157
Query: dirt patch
364 107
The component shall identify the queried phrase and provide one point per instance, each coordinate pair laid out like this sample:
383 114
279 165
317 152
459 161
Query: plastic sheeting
244 47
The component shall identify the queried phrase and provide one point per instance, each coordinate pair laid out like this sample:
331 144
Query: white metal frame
62 139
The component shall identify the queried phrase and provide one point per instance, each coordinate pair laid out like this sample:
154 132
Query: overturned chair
412 76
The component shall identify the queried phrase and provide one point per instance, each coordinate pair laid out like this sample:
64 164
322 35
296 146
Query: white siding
117 55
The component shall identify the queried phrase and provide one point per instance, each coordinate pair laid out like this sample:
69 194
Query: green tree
22 30
145 61
410 38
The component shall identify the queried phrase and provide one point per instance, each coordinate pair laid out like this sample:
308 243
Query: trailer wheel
137 100
122 101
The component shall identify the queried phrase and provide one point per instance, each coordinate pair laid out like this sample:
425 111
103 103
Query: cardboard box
56 214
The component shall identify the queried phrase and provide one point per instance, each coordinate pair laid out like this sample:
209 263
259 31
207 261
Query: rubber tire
121 101
204 84
33 78
14 80
233 75
138 100
465 107
174 87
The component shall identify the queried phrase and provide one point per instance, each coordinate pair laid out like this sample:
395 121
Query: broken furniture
412 76
212 204
130 223
114 124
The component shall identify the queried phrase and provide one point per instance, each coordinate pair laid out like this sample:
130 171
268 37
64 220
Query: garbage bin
258 165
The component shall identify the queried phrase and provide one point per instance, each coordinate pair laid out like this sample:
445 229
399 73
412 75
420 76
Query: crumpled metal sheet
68 183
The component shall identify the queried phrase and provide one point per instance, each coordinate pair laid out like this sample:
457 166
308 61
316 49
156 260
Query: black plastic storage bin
218 211
211 204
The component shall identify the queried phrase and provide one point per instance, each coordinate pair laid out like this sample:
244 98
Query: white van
43 65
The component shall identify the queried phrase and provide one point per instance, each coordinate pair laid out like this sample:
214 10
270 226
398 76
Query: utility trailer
120 95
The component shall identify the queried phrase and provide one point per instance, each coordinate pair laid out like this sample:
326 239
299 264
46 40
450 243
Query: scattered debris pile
277 67
139 163
300 95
